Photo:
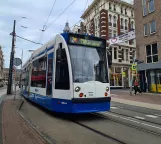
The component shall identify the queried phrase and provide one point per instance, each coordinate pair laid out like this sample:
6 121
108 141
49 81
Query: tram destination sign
87 41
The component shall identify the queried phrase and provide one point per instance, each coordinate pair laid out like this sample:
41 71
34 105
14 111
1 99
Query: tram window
62 71
38 77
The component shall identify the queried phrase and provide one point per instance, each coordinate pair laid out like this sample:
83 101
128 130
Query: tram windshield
88 64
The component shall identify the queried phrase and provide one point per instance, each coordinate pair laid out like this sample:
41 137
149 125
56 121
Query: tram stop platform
146 100
13 128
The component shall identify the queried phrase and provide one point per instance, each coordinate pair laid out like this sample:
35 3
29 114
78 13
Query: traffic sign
17 61
133 67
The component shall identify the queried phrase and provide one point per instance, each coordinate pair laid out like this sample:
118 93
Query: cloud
36 12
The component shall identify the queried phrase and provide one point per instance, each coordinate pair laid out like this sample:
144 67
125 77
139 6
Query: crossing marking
151 116
139 117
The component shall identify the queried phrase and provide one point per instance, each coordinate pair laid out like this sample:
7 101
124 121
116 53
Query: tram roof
40 50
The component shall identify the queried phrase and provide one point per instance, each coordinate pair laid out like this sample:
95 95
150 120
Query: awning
148 66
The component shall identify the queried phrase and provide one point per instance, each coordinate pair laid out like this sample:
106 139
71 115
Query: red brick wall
104 24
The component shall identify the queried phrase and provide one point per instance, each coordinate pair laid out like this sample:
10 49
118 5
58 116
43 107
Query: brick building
15 75
107 19
1 63
148 43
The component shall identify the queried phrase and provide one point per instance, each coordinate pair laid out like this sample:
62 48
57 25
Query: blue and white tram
69 74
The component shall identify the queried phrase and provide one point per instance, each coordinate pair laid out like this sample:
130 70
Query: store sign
123 38
87 42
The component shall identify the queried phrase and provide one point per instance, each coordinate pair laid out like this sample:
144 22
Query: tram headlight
77 89
107 89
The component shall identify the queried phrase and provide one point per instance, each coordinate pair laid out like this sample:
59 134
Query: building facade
107 19
148 43
16 75
1 63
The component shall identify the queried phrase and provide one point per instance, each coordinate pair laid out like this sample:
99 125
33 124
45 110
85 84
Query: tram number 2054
90 93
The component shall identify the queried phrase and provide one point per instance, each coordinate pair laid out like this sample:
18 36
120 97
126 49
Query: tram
69 74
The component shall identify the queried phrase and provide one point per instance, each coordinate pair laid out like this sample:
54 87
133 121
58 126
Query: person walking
136 87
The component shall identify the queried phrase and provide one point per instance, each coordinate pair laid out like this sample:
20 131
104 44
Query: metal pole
21 58
9 91
132 78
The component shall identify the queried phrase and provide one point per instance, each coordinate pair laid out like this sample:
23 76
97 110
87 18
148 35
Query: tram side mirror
109 56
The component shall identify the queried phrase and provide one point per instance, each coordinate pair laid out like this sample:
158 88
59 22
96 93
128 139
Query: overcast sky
36 12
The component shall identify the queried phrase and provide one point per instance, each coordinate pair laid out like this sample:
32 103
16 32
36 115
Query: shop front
154 81
150 77
119 77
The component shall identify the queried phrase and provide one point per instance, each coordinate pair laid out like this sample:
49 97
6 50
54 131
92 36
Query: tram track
127 124
110 136
100 133
120 107
135 118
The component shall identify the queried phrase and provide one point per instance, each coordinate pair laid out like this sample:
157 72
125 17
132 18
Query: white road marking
157 115
110 114
151 126
139 117
114 107
151 116
129 119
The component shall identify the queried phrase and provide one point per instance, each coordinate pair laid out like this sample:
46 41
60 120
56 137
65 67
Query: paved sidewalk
15 130
152 101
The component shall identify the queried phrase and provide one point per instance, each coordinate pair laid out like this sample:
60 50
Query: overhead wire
59 15
47 21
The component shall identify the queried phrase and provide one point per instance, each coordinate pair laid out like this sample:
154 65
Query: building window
152 53
125 11
114 33
114 8
151 6
110 20
144 7
122 54
98 22
110 34
122 27
110 6
114 21
132 14
121 10
126 24
132 25
115 52
127 54
152 27
145 29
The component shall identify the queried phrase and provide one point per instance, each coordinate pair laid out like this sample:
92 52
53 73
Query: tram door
49 74
61 80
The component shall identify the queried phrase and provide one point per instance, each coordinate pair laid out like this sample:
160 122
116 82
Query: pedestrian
136 87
